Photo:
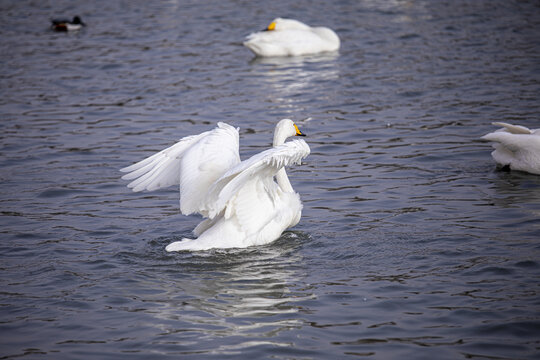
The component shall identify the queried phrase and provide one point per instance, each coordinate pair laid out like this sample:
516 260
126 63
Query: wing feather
160 170
262 166
194 163
203 164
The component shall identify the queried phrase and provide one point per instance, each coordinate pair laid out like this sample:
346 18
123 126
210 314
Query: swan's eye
272 26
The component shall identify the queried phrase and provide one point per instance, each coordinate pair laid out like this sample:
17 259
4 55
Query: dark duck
67 25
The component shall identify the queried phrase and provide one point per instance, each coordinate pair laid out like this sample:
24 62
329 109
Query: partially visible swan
516 147
242 203
287 37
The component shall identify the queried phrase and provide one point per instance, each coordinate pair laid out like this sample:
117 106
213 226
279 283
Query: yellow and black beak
298 132
271 27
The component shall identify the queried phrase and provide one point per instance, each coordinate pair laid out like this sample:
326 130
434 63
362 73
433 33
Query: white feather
242 203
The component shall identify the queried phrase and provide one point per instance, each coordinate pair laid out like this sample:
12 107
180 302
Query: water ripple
411 244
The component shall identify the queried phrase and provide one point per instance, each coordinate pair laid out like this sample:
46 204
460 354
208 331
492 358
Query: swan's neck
283 181
279 138
281 176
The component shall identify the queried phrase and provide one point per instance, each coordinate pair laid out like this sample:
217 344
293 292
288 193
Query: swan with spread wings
244 203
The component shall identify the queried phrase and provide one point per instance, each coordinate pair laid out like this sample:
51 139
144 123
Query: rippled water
411 244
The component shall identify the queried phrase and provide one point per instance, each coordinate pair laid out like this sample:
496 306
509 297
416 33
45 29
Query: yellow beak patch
272 26
298 132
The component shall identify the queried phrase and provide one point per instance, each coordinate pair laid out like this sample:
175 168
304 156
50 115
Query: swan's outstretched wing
204 163
160 170
194 163
262 166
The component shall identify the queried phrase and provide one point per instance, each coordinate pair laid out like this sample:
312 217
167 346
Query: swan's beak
298 132
271 27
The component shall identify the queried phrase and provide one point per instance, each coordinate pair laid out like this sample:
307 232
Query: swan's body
516 147
242 203
287 37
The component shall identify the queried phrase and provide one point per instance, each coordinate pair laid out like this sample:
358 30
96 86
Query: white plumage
242 203
516 146
288 37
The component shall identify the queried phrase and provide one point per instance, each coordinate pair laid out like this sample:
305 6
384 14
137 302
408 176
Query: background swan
287 37
242 203
516 146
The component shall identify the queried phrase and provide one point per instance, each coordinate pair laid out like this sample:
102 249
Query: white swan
241 202
516 146
287 37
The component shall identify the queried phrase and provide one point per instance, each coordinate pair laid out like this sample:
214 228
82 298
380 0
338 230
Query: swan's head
285 129
280 24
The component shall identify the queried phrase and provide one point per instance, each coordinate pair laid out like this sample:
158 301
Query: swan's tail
188 245
184 244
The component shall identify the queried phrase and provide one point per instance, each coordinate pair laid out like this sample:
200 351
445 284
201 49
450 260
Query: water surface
411 244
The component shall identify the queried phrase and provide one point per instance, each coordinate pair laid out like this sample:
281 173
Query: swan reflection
291 80
243 292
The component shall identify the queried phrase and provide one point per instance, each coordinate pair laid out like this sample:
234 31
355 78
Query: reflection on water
289 79
246 293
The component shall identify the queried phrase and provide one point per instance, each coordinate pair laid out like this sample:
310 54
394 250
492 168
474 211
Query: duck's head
77 20
284 129
280 24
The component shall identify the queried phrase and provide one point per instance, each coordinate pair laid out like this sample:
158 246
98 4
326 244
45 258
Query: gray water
411 245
